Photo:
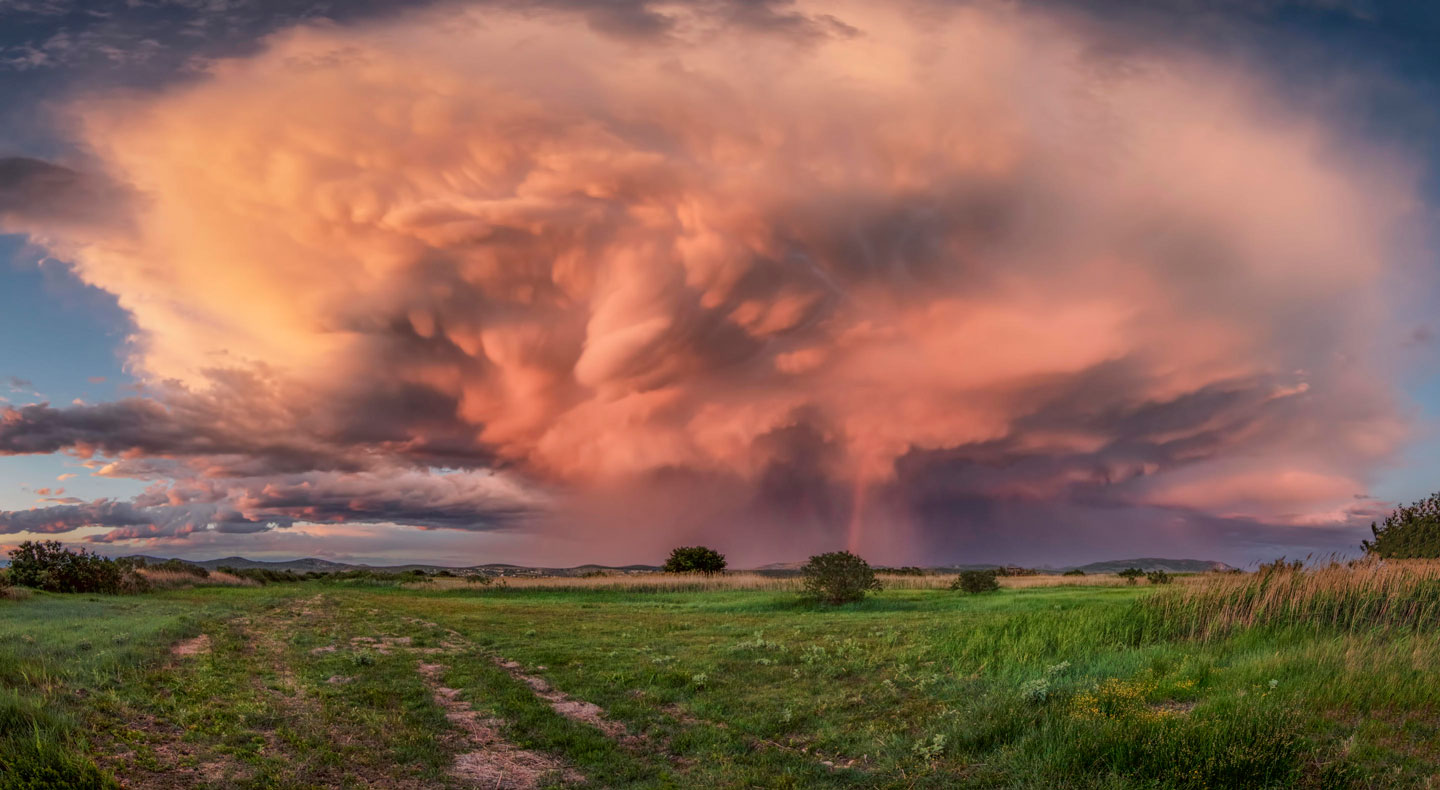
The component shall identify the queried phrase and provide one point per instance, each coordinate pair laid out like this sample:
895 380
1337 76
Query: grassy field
652 685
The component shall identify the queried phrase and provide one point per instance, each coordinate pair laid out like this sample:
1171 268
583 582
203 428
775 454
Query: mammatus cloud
870 282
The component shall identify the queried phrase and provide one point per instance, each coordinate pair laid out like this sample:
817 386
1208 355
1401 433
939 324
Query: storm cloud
852 276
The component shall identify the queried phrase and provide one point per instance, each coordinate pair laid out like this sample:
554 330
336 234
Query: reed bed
1365 596
742 580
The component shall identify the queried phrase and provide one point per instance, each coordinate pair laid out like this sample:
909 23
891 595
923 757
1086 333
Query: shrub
48 565
1131 574
1073 572
1158 577
1409 532
480 578
181 566
695 559
908 570
267 575
976 581
838 577
1279 566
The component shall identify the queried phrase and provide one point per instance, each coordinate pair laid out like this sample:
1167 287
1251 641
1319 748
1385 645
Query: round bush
838 577
976 582
695 559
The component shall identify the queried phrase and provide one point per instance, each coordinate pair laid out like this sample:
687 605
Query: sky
576 281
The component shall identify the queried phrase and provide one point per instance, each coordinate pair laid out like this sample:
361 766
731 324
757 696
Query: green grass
1038 688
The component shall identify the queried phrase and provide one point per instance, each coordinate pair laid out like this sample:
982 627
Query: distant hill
1154 564
1109 566
307 564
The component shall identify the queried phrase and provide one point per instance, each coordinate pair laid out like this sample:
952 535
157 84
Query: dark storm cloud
33 191
463 501
137 426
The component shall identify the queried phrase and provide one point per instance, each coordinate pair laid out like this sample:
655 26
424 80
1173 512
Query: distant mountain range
307 564
779 568
1155 564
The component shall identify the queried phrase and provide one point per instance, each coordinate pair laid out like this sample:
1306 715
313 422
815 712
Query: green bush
838 577
1409 532
181 566
49 565
695 559
1073 572
1158 577
1131 574
976 581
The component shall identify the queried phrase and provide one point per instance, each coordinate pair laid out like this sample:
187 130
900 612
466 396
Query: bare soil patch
564 704
491 761
192 647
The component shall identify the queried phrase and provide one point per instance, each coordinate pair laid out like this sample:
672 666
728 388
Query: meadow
1317 679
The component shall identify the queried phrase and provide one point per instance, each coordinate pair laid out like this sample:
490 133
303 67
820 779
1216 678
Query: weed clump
838 577
976 582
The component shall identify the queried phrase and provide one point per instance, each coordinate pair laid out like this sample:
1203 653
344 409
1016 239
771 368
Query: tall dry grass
1369 595
166 580
741 580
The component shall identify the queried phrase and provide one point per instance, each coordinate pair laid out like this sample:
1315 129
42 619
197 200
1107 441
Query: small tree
838 577
1073 572
1158 577
1131 574
976 581
695 559
1409 532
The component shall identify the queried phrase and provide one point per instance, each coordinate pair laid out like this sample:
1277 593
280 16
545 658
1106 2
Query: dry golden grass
743 580
165 580
1370 594
14 593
